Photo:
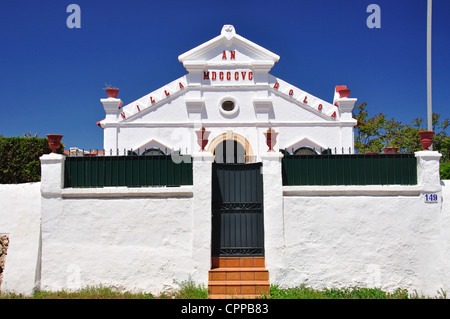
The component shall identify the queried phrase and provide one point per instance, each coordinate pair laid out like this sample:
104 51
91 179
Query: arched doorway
229 146
237 198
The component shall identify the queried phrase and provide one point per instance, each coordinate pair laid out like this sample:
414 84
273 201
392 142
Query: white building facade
229 91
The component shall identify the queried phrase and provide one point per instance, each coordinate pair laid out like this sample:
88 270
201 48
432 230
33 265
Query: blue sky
52 77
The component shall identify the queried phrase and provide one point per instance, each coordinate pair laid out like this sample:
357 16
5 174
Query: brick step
238 287
234 273
232 262
238 277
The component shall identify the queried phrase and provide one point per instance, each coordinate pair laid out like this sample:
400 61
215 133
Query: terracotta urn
54 141
426 139
112 92
202 138
271 138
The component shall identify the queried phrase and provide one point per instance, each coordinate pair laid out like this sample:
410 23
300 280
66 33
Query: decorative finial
228 31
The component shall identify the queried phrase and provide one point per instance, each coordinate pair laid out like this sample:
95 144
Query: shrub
19 159
444 170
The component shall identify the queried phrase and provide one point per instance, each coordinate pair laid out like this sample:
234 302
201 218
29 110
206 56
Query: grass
189 290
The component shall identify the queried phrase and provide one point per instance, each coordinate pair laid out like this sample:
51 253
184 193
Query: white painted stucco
147 239
20 219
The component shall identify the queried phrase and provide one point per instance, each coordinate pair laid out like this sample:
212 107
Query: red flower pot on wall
271 138
344 93
112 92
54 141
202 138
426 139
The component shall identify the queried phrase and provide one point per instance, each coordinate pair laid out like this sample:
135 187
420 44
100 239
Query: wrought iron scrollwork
240 251
237 206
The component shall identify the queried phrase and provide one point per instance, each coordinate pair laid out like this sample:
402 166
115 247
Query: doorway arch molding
232 136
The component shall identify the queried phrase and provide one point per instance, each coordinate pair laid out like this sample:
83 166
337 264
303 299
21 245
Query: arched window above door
230 152
305 151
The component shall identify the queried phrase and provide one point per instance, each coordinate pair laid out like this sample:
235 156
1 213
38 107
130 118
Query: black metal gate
237 210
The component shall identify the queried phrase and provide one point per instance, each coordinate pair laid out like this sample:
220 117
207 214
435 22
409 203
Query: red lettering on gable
138 108
167 93
220 75
123 114
213 75
205 75
228 76
181 86
243 75
333 115
291 92
250 76
276 85
304 100
152 100
224 55
236 76
233 55
320 107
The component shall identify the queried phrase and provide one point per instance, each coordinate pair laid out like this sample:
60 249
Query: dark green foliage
19 159
445 170
374 133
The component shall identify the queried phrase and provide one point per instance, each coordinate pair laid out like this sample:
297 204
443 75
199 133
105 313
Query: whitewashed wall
137 244
389 241
145 239
365 236
20 219
134 239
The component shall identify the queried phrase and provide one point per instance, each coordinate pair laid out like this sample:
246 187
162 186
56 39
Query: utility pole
429 107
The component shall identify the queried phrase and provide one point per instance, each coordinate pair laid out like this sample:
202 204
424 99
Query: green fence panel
358 169
129 171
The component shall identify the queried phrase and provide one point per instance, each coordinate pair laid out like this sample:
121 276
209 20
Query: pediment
153 145
307 143
228 49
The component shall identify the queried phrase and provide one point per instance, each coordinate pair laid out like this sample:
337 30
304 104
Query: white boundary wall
365 236
145 239
20 218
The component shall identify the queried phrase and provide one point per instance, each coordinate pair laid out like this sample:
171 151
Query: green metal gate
237 210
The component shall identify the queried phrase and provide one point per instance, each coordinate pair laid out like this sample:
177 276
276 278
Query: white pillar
201 223
52 182
52 174
428 171
273 211
110 124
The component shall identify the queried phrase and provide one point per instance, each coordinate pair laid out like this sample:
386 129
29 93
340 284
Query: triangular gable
218 51
305 142
154 99
303 99
153 144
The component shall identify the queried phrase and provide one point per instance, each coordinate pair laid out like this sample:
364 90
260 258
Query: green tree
374 133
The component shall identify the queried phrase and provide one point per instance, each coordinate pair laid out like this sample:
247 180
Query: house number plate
431 198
